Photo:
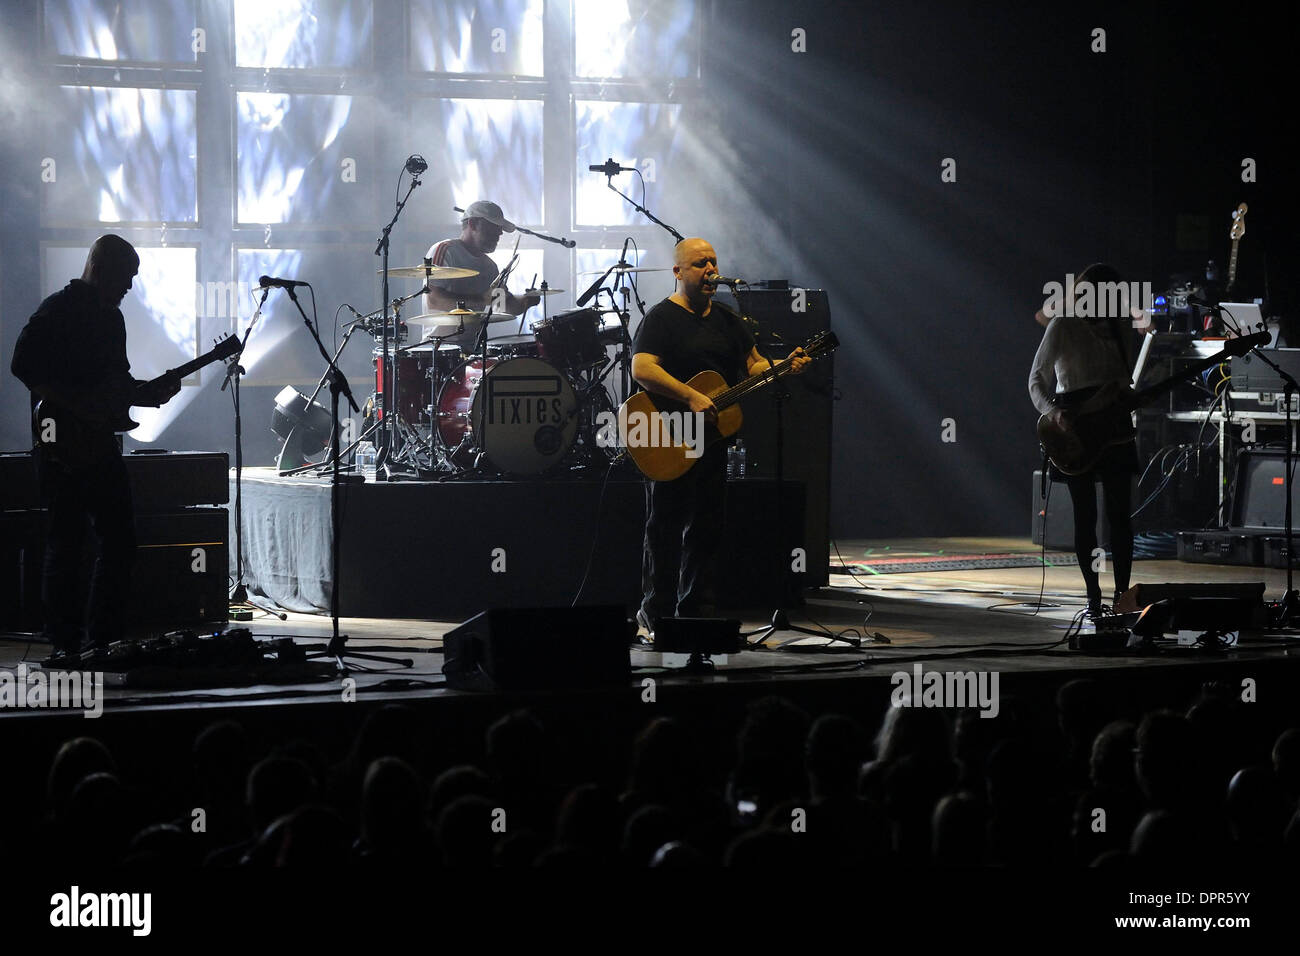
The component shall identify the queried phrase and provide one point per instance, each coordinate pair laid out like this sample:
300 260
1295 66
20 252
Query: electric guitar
661 454
1103 419
78 441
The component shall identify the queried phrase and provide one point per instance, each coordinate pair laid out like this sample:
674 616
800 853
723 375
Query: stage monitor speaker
796 315
1195 607
698 635
515 649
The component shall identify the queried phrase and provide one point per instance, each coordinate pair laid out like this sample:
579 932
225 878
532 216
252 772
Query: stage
979 619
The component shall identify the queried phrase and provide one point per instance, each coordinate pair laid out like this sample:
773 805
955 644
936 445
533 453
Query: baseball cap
482 209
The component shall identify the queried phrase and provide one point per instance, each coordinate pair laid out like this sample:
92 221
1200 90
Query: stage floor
980 619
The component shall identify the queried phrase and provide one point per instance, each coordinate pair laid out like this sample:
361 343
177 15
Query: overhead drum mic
611 168
415 164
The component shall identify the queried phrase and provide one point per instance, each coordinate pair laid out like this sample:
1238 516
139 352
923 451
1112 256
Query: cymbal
624 269
433 272
541 292
443 325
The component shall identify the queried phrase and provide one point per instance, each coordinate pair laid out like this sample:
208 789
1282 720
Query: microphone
266 282
716 279
611 168
415 164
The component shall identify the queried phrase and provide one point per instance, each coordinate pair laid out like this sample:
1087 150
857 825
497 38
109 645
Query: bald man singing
683 335
72 355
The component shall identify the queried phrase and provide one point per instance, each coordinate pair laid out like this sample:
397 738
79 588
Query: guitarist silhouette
1088 358
685 334
72 356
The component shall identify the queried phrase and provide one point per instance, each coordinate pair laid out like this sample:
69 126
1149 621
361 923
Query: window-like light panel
305 158
159 31
635 38
303 34
126 155
476 36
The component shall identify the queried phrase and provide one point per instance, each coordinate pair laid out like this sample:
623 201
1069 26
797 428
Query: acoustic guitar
664 453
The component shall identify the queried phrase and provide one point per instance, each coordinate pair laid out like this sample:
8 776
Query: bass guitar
1104 418
664 451
78 441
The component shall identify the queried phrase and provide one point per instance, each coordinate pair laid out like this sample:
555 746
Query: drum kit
467 405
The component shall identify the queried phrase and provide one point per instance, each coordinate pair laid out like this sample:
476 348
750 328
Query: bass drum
523 414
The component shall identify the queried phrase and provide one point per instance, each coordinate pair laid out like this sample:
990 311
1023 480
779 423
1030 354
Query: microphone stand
386 434
338 385
239 599
609 181
567 243
480 439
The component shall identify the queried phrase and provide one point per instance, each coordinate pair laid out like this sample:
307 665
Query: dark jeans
102 496
683 530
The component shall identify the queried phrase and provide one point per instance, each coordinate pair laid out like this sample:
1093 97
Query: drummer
481 229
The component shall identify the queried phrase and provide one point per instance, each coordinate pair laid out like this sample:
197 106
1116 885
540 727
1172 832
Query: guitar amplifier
805 415
161 481
180 578
1054 517
1251 374
1259 491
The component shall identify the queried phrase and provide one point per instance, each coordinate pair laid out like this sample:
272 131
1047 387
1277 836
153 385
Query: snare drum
571 340
522 413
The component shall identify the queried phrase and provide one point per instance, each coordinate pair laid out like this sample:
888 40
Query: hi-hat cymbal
433 272
624 269
541 292
443 325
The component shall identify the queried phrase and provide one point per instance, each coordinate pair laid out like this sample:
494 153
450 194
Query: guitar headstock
822 343
1238 222
224 347
1243 344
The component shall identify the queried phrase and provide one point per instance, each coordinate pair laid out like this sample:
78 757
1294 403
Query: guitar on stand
1238 230
662 456
1095 420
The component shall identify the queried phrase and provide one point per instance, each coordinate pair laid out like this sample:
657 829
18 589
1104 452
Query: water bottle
366 460
731 461
740 459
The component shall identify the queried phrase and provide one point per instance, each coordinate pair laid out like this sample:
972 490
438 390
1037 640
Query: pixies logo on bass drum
525 400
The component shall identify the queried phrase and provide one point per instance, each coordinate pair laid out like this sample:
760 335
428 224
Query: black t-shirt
687 343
